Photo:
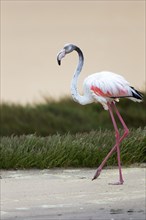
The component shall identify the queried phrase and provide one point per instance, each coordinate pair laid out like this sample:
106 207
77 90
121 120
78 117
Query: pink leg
126 130
118 141
117 146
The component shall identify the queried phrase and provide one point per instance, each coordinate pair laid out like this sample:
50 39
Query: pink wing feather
109 85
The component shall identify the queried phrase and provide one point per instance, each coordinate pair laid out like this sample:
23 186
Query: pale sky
110 33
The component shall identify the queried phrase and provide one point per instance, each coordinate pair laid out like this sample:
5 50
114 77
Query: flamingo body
106 88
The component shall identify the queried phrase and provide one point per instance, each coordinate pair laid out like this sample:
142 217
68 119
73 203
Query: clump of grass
65 116
70 150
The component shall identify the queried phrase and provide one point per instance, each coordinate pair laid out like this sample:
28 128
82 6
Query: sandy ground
70 194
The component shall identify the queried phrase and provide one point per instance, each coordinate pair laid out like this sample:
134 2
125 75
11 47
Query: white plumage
106 87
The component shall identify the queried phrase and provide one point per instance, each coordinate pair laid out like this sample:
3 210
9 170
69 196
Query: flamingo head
68 48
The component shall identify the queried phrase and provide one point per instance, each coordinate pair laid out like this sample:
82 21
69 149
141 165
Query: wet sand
70 194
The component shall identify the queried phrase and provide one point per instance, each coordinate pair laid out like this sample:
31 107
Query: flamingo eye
69 48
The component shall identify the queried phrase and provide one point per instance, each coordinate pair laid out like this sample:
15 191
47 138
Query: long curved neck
74 92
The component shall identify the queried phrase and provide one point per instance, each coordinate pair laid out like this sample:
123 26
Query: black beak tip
59 62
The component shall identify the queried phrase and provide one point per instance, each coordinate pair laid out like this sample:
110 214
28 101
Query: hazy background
110 33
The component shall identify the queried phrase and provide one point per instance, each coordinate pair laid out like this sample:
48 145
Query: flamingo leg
116 146
126 130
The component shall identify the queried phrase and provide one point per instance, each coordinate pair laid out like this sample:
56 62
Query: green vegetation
66 134
68 150
66 116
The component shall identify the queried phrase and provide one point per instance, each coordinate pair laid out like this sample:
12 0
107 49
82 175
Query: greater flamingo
105 88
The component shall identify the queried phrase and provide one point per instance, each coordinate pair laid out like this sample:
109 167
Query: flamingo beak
60 55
